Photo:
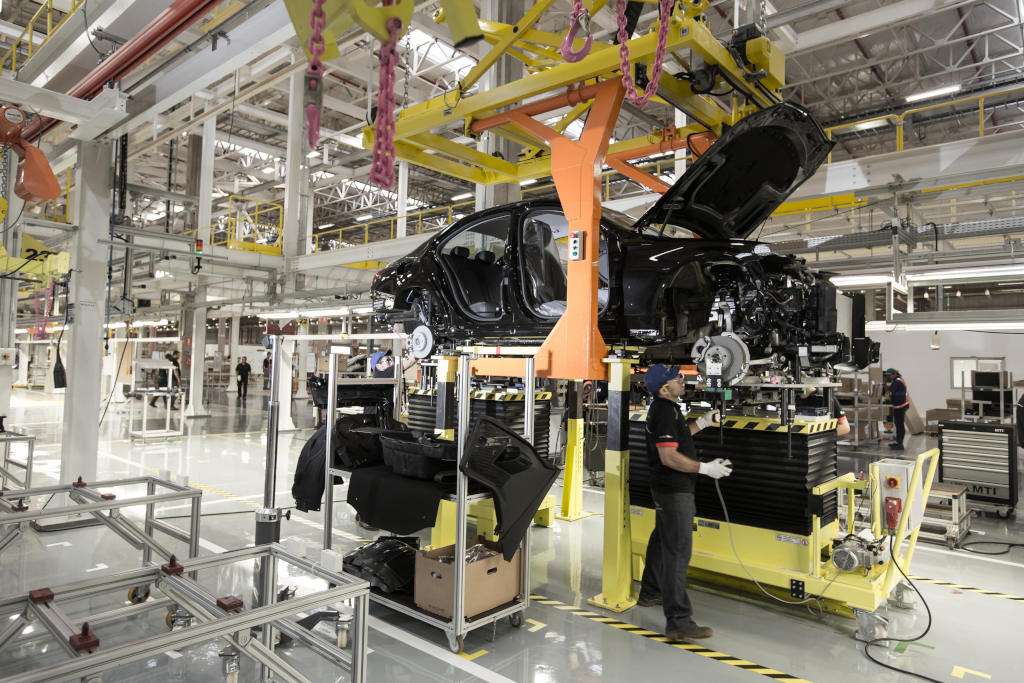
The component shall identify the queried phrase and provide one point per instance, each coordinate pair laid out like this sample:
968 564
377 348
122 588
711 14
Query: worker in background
899 397
175 377
242 372
672 457
382 364
266 371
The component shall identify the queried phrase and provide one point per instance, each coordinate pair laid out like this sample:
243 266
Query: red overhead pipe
156 34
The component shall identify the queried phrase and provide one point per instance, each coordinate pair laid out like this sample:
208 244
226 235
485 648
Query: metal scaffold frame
86 498
218 616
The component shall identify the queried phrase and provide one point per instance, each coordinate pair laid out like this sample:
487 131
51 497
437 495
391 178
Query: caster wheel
456 645
516 620
138 595
169 620
1003 514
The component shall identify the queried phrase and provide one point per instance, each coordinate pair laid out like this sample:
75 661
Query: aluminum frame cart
458 626
16 513
169 392
195 616
6 475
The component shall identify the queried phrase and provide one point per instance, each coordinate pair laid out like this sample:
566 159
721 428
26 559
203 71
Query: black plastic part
796 589
420 458
389 563
518 478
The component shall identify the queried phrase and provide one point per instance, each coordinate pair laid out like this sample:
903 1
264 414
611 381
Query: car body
683 281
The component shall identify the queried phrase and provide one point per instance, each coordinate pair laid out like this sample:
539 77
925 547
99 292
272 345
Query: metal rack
87 498
947 517
458 626
169 392
6 475
876 411
188 601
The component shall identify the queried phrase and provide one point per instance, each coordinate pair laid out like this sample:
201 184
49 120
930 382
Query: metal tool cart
170 393
194 616
983 457
95 499
6 475
860 400
947 516
458 626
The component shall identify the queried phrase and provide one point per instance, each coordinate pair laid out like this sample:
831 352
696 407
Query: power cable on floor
876 641
1007 547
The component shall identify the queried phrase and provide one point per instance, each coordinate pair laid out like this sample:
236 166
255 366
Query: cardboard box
490 582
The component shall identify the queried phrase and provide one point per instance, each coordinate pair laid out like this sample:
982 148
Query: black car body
682 282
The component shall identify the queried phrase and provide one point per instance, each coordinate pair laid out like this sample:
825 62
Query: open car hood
742 178
509 466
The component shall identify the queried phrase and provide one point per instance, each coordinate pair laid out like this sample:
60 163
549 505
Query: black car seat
546 283
487 301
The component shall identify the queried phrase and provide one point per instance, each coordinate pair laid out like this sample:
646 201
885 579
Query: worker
266 371
382 364
175 377
672 458
899 397
242 372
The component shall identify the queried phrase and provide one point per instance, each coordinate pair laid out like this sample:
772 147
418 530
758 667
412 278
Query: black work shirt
243 370
667 427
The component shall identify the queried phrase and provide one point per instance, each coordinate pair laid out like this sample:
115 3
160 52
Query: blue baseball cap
377 355
657 375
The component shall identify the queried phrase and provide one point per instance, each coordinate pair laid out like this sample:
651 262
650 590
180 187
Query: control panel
894 477
575 246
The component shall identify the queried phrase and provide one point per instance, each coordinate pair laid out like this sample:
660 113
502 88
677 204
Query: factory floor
974 636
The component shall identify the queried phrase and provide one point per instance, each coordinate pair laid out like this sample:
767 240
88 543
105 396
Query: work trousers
243 388
899 417
668 557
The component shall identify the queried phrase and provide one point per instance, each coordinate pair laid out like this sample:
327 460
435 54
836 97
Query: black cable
88 34
876 641
15 221
1009 545
113 384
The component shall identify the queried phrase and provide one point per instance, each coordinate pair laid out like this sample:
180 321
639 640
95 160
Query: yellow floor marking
536 625
473 655
961 671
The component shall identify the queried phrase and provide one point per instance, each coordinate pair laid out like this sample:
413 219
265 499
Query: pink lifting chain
579 19
315 72
382 169
665 15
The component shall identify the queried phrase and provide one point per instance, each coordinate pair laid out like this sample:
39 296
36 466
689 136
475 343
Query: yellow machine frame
272 211
772 558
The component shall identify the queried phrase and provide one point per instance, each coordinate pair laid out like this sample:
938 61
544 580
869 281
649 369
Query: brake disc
726 351
421 342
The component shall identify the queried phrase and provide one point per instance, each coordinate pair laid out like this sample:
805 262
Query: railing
898 120
26 40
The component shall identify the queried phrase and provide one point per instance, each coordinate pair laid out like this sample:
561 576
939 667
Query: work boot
648 601
896 446
691 632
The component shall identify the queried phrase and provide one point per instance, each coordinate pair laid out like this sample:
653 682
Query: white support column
680 165
197 375
284 388
82 399
403 199
303 349
233 353
295 226
11 240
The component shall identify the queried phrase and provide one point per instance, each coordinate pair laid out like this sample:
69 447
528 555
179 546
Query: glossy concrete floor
973 636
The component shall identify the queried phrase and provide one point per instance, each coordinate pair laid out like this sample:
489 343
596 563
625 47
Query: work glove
716 469
712 419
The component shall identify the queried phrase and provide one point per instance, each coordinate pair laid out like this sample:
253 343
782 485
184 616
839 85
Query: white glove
712 419
716 469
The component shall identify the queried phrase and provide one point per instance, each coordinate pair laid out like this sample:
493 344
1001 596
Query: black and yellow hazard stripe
759 424
706 652
970 589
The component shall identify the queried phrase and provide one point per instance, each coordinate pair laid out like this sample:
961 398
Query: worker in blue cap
672 458
382 364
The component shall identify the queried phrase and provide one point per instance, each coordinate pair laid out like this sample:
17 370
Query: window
475 261
544 257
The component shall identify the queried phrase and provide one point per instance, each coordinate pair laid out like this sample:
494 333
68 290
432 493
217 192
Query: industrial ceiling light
269 170
841 281
987 293
936 341
278 315
364 217
958 293
926 294
528 181
869 125
937 92
460 197
966 273
882 326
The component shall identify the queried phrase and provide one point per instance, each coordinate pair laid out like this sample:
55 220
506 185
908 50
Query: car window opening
544 259
475 259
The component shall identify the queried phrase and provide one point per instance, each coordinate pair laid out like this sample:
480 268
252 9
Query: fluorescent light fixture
529 181
842 281
311 154
882 326
460 197
928 94
269 170
326 225
149 323
966 273
363 310
278 315
21 330
364 217
869 125
116 326
458 216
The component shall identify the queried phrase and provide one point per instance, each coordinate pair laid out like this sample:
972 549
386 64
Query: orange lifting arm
36 182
